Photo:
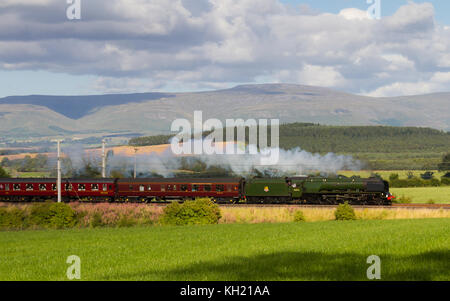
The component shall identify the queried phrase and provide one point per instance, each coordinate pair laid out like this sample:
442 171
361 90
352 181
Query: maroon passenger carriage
36 189
161 189
121 190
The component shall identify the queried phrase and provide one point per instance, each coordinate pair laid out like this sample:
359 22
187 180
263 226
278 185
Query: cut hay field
408 249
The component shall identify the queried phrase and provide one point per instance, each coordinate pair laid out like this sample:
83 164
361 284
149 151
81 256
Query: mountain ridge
153 112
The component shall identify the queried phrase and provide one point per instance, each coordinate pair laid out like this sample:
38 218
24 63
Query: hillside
152 113
380 147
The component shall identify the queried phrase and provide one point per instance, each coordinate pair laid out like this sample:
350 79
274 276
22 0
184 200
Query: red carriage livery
127 190
36 189
219 189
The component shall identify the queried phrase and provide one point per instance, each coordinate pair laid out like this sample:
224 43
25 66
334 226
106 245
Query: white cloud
441 77
160 44
398 62
353 14
312 75
6 3
438 81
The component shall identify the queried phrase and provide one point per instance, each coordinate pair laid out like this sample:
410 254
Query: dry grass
149 214
253 215
111 213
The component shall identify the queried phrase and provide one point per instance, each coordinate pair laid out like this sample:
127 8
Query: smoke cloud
291 162
166 164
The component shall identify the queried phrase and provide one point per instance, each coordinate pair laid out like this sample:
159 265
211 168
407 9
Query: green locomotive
318 190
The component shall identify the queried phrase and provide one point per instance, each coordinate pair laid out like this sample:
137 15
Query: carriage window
94 187
131 187
42 187
163 187
7 187
141 188
29 187
149 187
54 187
169 187
236 188
207 187
81 187
16 187
184 187
194 187
105 187
175 187
228 187
220 187
68 187
1 187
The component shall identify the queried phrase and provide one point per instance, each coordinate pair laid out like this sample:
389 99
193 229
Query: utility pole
103 159
58 182
135 161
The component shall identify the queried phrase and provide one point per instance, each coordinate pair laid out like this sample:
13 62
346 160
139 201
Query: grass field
27 174
416 160
408 249
439 195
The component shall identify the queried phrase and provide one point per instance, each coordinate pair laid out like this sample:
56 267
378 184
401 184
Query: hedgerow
413 181
199 212
299 216
344 212
52 215
62 215
12 218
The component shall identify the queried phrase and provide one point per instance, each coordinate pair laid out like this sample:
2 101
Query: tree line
322 138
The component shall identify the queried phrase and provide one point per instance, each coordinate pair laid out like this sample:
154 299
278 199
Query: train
316 190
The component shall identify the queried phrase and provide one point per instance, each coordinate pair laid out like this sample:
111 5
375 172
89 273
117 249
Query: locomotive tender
295 190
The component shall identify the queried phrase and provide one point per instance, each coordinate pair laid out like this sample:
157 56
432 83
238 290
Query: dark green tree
4 173
89 170
445 165
5 162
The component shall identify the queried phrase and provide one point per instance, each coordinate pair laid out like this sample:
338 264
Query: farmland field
408 249
440 195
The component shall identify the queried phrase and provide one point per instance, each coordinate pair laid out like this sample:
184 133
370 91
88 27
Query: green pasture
408 249
439 195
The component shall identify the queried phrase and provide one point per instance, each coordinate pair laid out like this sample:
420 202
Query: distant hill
75 107
153 113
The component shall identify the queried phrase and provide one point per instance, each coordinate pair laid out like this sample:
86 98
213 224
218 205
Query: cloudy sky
189 45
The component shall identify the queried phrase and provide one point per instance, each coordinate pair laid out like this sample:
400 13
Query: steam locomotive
288 190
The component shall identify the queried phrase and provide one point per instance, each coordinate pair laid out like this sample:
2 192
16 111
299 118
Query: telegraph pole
58 182
135 161
103 159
